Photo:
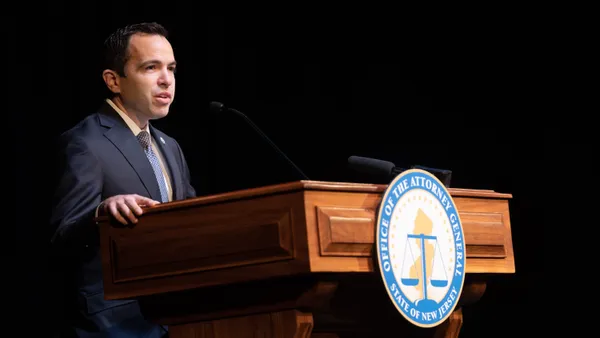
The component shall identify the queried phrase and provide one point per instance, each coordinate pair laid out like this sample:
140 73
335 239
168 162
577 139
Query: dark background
451 94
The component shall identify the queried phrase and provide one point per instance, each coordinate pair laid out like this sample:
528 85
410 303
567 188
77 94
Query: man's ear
112 80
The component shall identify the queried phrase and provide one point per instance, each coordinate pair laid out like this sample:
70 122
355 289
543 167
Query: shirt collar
132 125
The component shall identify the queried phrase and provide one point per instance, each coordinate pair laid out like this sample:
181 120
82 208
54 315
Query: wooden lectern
288 260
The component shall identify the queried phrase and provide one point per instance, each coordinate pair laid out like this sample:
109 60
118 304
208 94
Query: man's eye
150 67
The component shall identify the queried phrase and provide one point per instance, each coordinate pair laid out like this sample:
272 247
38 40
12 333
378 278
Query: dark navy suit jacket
101 157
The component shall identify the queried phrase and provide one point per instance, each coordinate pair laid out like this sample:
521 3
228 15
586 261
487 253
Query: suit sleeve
190 191
78 194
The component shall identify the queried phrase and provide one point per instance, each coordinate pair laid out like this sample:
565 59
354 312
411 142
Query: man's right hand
125 208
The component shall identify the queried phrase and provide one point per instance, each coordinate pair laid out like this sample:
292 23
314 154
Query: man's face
148 88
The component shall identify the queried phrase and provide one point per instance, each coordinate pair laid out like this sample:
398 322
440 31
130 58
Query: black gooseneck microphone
218 107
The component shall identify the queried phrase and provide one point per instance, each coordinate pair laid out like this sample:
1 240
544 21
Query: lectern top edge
305 185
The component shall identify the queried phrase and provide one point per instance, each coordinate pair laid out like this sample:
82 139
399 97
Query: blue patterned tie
144 138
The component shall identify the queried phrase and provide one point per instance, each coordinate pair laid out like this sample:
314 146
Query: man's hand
125 208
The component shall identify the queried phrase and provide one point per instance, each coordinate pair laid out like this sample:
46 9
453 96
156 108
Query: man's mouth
163 98
164 95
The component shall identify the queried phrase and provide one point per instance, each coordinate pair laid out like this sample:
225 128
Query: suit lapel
171 163
122 137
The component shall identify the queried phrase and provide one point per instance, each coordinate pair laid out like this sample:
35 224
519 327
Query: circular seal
420 248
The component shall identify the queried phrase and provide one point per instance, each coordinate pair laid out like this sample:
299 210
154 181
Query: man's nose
166 78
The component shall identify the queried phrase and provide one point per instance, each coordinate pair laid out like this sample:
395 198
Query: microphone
381 168
218 107
373 166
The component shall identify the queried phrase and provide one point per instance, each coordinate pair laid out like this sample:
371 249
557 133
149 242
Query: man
115 163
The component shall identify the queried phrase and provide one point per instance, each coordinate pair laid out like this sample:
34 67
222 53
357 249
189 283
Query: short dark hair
116 46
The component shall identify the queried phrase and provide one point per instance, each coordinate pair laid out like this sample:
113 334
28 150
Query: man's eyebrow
156 62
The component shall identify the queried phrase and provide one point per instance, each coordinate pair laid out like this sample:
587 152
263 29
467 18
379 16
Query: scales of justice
424 275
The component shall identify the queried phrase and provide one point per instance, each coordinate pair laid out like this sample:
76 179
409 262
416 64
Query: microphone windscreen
370 166
216 107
